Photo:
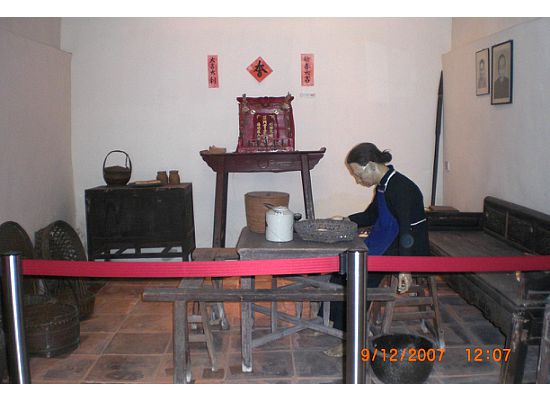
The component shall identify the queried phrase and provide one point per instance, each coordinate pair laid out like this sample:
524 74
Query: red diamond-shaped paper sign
259 69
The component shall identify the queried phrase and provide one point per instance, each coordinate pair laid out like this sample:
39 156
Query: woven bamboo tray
326 230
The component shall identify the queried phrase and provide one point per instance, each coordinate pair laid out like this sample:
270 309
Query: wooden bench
514 302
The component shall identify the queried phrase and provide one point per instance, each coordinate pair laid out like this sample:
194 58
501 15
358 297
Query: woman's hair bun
385 157
363 153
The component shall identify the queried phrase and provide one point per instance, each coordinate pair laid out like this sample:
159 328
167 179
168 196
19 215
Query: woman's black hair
365 152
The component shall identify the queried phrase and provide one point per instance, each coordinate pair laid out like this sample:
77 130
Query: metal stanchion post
12 305
354 263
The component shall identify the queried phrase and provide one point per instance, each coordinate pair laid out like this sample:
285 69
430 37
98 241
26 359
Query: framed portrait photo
483 79
502 68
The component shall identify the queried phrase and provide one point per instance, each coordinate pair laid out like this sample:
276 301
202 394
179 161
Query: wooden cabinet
121 221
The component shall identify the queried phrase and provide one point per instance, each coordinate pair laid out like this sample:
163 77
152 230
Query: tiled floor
130 341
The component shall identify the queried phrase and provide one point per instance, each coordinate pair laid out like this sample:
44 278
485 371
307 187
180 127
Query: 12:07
477 354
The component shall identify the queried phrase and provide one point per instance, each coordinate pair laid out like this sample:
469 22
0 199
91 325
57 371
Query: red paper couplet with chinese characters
259 69
307 70
213 81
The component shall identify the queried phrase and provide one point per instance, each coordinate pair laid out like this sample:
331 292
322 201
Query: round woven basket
51 329
255 208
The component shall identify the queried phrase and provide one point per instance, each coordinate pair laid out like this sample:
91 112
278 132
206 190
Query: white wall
35 151
43 30
140 85
499 150
467 30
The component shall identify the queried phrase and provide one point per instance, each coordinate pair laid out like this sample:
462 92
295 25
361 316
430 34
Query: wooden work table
253 246
298 288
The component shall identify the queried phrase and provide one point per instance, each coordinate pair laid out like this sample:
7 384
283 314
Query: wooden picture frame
502 68
483 76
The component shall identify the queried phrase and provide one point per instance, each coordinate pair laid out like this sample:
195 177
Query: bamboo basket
59 241
51 329
255 208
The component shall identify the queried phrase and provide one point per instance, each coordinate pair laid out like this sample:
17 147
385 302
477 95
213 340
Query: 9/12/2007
403 355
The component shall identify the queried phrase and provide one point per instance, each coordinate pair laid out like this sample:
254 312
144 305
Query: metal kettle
279 224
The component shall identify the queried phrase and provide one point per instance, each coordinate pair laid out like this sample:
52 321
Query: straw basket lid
255 208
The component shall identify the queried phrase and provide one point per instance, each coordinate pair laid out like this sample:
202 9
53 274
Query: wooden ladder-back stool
422 295
199 315
216 254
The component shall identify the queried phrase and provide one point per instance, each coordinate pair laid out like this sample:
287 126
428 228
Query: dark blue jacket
406 204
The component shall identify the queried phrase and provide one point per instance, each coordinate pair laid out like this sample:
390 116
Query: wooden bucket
255 208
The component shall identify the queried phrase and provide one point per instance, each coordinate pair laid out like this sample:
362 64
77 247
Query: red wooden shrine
265 124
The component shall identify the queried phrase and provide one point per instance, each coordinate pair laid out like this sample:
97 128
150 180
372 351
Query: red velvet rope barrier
295 266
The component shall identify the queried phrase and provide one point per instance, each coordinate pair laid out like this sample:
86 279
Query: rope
295 266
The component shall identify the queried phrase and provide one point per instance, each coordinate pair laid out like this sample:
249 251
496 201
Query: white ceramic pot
279 224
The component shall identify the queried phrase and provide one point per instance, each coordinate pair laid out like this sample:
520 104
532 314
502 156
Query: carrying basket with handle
117 175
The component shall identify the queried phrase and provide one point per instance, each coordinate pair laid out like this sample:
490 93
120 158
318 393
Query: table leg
516 341
246 328
220 208
306 185
182 363
219 312
438 324
274 314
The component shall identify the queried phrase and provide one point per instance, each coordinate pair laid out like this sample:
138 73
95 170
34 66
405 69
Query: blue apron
385 229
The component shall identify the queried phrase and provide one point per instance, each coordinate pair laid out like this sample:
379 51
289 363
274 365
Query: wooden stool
216 254
421 294
199 316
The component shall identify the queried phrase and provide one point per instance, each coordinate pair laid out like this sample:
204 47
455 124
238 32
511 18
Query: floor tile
124 369
70 370
320 381
93 342
472 379
456 335
147 323
279 344
152 307
102 323
138 343
273 364
114 305
122 290
487 333
307 340
315 363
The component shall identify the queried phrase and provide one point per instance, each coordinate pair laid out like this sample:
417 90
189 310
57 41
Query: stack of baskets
51 328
